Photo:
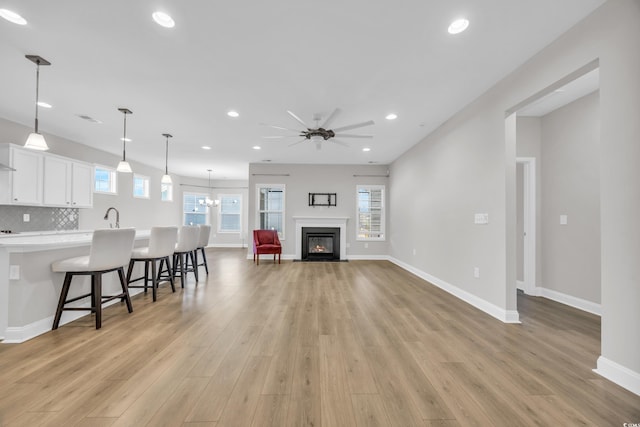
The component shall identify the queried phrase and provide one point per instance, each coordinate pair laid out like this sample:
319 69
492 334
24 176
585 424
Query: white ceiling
368 58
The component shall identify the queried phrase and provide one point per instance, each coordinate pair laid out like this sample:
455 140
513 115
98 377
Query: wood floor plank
316 345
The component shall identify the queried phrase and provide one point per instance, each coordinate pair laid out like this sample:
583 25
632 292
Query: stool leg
125 289
63 297
204 258
154 279
146 275
194 264
129 270
173 286
96 290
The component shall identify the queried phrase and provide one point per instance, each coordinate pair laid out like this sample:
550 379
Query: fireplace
320 244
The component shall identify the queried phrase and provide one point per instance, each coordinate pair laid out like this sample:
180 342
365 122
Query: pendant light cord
124 139
37 91
166 159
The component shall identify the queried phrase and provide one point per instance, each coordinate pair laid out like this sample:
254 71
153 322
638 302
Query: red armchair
266 242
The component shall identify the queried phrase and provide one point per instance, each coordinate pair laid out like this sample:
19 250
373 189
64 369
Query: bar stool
185 249
162 242
203 241
110 251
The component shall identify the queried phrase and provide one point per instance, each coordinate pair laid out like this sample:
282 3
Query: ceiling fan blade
298 119
281 136
347 135
330 118
357 125
281 128
296 143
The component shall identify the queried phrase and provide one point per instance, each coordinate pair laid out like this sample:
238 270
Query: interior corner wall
460 169
302 179
134 212
570 176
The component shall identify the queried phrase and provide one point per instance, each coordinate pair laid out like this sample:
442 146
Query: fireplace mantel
324 221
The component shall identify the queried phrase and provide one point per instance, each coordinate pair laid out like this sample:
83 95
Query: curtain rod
270 174
369 176
205 186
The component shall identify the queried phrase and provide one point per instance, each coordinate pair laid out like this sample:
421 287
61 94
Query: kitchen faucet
106 216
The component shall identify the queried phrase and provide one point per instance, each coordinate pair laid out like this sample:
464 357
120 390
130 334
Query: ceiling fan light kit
321 133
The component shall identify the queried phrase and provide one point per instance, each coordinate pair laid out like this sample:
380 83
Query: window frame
382 230
220 213
113 180
147 184
206 213
282 187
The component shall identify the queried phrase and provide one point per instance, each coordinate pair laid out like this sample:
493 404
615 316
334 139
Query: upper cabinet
44 179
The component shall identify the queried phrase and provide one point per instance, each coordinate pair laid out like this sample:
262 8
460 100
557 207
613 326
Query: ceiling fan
320 133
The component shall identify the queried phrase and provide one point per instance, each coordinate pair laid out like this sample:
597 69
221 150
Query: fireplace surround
319 222
320 244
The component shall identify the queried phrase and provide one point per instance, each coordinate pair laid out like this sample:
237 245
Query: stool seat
203 241
162 241
184 252
110 251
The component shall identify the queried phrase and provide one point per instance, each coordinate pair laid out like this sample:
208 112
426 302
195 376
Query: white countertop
48 240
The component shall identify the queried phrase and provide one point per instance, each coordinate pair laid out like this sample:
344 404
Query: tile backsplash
40 218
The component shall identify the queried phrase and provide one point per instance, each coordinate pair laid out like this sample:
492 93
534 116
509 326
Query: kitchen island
29 290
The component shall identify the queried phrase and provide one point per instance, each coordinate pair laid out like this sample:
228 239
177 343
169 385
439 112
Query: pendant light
207 201
166 178
36 141
123 166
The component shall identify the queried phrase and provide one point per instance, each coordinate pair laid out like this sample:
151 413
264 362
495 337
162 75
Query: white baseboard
506 316
618 374
227 245
575 302
368 257
520 285
16 335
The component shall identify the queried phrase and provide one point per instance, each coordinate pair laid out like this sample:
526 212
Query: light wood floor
362 343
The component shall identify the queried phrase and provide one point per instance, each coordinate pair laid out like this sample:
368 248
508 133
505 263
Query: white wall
571 186
468 166
139 213
305 179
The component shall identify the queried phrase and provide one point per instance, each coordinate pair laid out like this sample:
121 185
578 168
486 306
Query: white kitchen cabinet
24 185
67 183
44 179
81 185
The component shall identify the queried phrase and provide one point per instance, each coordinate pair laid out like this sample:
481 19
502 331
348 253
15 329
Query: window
229 219
166 192
105 180
195 209
370 212
141 186
271 205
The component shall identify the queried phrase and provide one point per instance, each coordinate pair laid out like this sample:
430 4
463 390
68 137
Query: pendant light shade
36 141
124 166
166 178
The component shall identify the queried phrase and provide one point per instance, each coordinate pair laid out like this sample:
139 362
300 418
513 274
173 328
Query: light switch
563 220
14 272
481 218
26 217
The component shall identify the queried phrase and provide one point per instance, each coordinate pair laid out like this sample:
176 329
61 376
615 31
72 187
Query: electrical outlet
26 217
476 272
14 272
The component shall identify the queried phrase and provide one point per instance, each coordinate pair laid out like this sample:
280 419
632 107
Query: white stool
162 242
110 251
203 241
185 249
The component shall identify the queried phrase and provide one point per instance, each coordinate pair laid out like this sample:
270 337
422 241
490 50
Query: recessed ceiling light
233 113
206 147
126 139
43 104
458 26
88 118
163 19
391 116
365 149
12 17
256 147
